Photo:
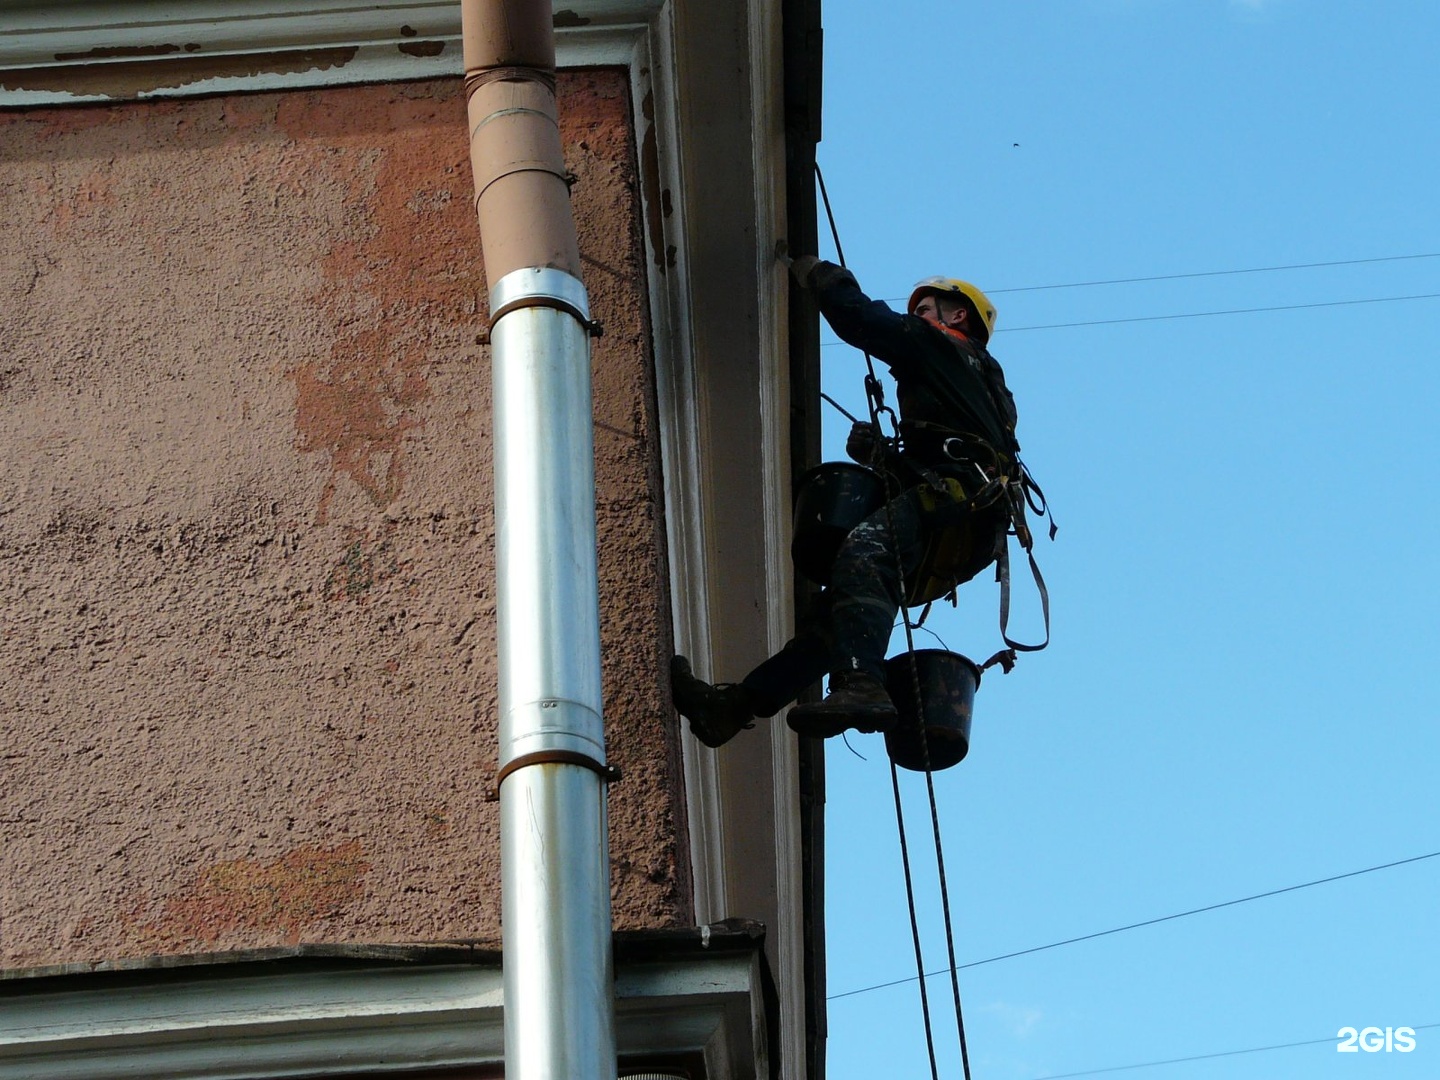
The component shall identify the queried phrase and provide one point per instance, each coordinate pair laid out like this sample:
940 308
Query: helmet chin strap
948 324
937 312
960 314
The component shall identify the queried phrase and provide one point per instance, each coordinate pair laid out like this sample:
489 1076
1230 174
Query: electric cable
1204 274
936 636
1208 314
1148 922
953 967
1204 1057
1230 311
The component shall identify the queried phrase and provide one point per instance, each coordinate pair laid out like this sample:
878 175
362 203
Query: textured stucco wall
246 572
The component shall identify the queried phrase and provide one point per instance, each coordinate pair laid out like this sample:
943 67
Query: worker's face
944 310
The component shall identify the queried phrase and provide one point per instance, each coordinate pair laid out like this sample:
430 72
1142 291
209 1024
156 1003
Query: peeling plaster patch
134 78
394 287
112 52
422 48
353 409
650 181
302 887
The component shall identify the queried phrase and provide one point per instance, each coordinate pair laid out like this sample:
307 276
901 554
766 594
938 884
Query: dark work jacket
939 379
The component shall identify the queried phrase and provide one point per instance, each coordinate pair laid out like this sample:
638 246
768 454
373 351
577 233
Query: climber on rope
955 490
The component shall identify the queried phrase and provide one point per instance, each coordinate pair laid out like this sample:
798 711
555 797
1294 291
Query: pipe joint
550 725
474 80
541 286
514 167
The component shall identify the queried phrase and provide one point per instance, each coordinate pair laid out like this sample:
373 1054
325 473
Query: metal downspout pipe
559 981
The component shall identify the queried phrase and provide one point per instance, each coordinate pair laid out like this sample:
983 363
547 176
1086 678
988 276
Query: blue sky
1240 694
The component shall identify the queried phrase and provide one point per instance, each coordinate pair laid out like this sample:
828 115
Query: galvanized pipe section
559 1012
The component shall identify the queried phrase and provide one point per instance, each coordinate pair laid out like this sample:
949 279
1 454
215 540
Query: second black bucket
830 500
948 682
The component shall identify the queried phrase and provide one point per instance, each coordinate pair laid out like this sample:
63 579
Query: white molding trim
767 132
378 1020
721 797
315 43
677 396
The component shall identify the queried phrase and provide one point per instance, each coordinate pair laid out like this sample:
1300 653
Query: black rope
944 892
877 407
840 408
834 232
914 919
918 699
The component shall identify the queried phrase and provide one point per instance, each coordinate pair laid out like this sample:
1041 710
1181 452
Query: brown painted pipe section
522 191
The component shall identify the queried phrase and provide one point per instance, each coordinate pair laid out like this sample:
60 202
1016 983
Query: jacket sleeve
974 393
1000 395
870 325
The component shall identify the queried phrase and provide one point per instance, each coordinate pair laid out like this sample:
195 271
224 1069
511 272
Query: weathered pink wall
246 579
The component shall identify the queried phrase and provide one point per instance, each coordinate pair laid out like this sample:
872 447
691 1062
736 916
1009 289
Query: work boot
856 700
716 713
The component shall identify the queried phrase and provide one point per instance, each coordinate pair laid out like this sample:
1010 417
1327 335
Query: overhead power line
1137 925
1203 1057
1230 311
1218 273
1206 314
1201 274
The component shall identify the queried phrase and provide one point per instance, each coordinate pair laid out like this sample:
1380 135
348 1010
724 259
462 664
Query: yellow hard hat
977 298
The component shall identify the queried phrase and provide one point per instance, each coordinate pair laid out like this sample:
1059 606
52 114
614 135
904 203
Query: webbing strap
1032 493
1002 571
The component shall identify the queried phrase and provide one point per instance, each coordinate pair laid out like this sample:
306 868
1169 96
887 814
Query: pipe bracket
541 286
609 773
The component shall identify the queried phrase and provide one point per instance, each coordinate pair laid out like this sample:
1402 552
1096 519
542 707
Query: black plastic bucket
830 500
948 682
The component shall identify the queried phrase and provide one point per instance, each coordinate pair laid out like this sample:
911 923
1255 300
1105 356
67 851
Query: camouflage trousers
848 627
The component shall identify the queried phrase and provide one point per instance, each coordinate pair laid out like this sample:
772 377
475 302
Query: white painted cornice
219 1024
312 43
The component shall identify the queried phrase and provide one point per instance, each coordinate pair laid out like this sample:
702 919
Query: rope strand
914 920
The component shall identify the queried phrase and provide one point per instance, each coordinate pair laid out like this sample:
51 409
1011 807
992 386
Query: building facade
247 529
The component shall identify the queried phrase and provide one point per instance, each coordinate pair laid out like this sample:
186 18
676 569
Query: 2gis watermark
1374 1040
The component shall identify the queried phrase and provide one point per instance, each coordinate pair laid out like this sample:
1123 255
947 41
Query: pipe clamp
540 286
609 773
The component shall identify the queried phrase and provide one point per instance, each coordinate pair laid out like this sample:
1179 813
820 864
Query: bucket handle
1005 658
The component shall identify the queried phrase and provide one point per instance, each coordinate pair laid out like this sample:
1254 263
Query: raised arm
870 325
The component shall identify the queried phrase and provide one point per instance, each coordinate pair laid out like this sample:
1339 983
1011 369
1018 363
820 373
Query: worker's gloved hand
864 443
802 267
